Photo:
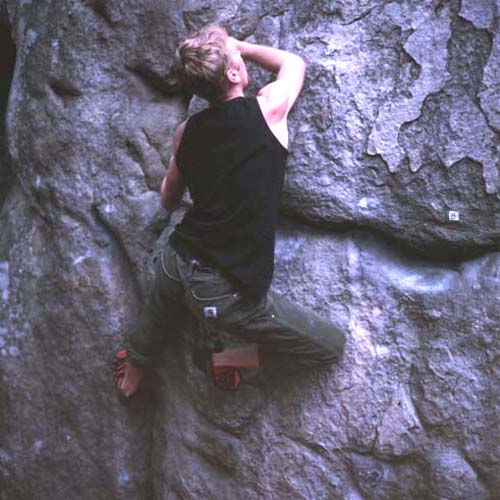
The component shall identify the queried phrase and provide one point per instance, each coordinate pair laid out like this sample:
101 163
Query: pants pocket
168 264
212 295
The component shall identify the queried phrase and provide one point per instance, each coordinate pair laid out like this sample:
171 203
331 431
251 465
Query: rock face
6 69
391 227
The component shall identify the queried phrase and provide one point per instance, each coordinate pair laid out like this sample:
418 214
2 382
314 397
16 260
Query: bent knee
332 352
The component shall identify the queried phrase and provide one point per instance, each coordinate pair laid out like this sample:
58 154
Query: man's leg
280 326
275 323
163 312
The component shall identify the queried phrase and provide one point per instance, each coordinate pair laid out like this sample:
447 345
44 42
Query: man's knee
330 351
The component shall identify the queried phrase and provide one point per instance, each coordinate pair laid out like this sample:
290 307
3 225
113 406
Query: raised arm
172 187
281 94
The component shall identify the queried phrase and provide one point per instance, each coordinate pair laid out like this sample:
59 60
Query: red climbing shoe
119 367
224 365
228 378
123 369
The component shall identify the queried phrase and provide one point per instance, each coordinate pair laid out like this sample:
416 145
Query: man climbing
218 264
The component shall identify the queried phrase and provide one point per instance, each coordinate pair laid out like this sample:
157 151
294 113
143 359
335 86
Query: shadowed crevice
362 15
7 62
127 261
64 91
445 253
158 85
102 9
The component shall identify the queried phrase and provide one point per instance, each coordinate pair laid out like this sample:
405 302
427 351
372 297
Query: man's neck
234 93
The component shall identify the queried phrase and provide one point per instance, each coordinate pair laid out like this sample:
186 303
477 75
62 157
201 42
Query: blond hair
202 62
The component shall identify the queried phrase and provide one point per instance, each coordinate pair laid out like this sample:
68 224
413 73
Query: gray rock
6 68
389 121
452 477
397 127
371 424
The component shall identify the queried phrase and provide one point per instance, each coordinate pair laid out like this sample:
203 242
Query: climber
219 261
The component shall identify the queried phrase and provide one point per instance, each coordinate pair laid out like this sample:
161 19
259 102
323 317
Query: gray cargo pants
275 324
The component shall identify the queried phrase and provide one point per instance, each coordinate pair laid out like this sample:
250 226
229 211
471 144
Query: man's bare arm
290 71
172 186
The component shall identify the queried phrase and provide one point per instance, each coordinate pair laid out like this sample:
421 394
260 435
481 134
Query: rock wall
391 227
6 69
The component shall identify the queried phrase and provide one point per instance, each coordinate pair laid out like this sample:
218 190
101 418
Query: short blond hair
202 62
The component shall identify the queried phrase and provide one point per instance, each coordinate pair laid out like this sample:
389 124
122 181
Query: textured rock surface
398 125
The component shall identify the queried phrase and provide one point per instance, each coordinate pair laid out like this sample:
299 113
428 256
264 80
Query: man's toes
119 385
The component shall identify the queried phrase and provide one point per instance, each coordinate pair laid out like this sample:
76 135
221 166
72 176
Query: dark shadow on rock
7 62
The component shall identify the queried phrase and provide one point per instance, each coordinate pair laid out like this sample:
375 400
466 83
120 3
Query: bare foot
132 379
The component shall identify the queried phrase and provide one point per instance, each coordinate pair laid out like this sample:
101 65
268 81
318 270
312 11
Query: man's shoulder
273 103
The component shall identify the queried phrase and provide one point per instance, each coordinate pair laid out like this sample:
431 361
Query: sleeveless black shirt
233 166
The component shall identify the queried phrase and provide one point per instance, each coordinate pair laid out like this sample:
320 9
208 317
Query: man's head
209 64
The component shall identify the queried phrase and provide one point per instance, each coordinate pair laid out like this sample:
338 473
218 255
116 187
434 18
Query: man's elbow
170 207
170 199
297 61
301 64
169 203
295 67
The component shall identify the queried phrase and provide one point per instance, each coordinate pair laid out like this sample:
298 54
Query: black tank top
233 166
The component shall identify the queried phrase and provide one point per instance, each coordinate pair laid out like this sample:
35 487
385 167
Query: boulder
390 227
